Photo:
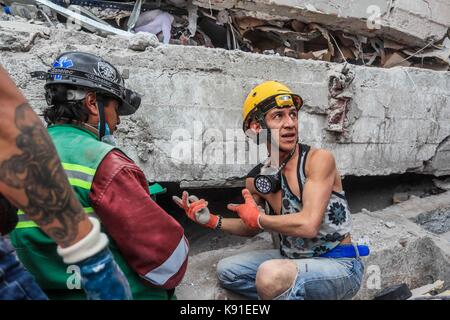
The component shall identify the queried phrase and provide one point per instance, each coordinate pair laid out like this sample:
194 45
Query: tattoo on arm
51 201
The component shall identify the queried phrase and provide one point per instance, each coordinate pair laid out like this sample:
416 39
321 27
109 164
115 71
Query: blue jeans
102 278
317 278
15 282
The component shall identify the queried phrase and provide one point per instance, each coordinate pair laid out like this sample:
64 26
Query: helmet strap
262 122
101 115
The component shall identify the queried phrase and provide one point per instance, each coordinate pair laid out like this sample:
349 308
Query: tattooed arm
31 175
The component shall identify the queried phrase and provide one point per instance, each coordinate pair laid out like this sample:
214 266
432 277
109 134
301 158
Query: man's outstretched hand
197 210
249 211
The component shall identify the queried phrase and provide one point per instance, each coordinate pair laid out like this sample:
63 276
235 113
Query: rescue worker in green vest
32 178
86 95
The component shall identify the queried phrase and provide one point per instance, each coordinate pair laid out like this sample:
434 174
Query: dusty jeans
16 283
102 278
317 278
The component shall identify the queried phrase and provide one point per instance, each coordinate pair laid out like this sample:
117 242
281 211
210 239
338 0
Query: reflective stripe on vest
79 176
171 266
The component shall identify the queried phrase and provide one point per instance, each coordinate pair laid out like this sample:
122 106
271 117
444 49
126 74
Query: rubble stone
142 40
20 36
436 221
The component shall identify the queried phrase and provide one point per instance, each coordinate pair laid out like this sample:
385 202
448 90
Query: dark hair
68 111
62 110
71 111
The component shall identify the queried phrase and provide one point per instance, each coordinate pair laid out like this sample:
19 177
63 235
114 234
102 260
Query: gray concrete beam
397 120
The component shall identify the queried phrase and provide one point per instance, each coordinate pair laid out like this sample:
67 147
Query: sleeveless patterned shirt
336 223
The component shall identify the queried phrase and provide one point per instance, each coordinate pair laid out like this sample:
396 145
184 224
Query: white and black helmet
85 70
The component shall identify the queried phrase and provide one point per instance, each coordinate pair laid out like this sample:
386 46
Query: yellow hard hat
268 95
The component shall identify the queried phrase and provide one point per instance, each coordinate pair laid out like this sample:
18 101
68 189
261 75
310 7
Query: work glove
101 277
197 210
249 211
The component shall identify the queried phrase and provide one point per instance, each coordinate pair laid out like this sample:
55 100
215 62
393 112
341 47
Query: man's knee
226 270
275 277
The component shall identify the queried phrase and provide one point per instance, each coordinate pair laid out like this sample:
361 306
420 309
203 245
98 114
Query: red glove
248 211
197 210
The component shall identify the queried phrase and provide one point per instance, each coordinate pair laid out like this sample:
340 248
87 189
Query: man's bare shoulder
320 161
320 154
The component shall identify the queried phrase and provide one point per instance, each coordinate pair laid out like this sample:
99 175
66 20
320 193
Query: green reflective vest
81 154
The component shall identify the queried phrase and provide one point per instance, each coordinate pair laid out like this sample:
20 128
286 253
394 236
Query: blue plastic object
347 251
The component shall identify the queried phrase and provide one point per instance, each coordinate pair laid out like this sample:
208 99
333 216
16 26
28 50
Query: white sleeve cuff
94 242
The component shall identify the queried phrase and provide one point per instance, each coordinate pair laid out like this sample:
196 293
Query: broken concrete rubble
339 99
393 259
425 291
436 221
360 34
396 119
370 33
86 21
142 40
410 22
16 36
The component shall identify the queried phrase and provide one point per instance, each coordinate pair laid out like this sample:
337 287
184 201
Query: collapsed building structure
376 92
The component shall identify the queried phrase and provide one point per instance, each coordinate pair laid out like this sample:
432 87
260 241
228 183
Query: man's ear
255 127
90 103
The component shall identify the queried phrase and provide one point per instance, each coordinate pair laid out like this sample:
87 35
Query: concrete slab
188 127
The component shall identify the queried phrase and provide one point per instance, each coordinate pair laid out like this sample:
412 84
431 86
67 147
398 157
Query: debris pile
433 291
181 22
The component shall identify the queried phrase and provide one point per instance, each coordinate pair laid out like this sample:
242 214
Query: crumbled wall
412 22
394 120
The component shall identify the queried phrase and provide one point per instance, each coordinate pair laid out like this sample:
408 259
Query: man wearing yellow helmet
305 206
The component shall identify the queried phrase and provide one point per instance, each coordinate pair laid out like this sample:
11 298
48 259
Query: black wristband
219 223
